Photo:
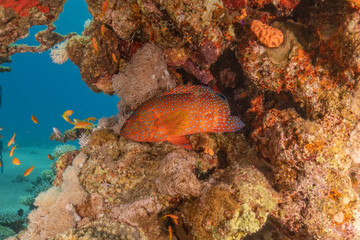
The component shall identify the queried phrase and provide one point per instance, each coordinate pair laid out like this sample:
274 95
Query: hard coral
102 229
176 176
269 36
232 211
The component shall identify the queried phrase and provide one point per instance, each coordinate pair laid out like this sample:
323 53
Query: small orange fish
28 171
102 30
91 119
114 57
173 217
12 140
355 2
170 232
68 119
34 119
179 112
68 113
83 125
95 45
12 150
104 7
50 157
16 161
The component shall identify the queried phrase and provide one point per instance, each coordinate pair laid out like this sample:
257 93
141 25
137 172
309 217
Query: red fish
179 112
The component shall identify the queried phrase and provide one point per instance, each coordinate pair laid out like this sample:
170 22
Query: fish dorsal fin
182 141
174 123
179 90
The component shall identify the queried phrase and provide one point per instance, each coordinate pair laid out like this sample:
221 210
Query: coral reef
145 76
290 68
102 229
17 17
41 184
61 149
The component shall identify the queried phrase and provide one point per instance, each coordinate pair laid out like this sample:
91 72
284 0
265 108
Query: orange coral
269 36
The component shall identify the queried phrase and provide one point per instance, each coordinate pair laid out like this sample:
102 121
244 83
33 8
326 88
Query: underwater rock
17 18
96 55
102 229
176 175
231 211
308 162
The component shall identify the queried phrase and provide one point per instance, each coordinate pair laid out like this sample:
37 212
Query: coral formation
290 68
145 76
176 177
102 229
61 149
55 212
269 36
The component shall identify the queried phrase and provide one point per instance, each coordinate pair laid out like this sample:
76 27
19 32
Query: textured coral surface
288 68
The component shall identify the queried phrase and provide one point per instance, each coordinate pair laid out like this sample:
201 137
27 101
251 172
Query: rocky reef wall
288 68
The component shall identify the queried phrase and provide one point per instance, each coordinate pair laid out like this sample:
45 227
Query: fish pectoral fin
182 141
175 123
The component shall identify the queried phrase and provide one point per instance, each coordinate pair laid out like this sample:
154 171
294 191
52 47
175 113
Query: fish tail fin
235 124
232 124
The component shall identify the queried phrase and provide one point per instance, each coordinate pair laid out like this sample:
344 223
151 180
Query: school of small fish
87 123
179 112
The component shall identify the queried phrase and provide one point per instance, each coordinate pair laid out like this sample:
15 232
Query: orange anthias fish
104 7
66 115
28 171
16 161
170 232
102 29
34 119
12 150
179 112
91 119
12 140
114 57
83 125
95 45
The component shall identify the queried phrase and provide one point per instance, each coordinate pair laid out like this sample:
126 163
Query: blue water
40 87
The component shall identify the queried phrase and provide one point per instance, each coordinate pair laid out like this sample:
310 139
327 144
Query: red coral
22 6
259 3
235 4
288 4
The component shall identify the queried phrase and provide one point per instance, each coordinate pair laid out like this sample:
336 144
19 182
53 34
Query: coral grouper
179 112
